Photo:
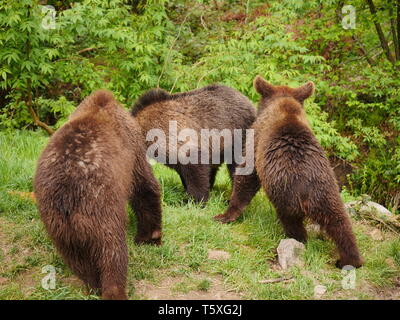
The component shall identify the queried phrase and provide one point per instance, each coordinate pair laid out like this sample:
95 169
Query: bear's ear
101 98
305 91
263 87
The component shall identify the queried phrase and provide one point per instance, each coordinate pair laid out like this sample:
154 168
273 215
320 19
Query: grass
189 233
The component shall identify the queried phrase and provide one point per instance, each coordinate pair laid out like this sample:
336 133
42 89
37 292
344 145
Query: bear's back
291 158
81 166
215 107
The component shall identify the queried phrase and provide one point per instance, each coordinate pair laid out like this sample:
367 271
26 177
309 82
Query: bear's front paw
223 218
356 263
154 239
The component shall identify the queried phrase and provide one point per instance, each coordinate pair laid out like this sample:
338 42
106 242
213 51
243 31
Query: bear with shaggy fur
214 107
92 166
294 172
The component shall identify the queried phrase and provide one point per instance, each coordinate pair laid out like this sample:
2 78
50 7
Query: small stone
289 253
319 291
218 255
376 235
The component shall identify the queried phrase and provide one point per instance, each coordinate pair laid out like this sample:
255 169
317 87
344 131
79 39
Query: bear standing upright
294 171
90 168
216 108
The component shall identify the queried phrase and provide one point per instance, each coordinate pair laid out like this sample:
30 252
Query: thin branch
247 11
364 51
339 15
380 51
194 66
398 27
170 49
394 32
282 279
173 86
206 74
29 89
85 50
203 23
36 120
39 123
381 36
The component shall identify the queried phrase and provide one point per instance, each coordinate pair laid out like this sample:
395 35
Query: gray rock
289 253
319 291
360 206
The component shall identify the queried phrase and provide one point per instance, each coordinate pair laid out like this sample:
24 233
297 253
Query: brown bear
216 108
90 168
294 171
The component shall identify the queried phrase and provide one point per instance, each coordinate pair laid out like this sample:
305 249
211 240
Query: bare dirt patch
184 287
218 255
29 280
5 244
73 281
388 293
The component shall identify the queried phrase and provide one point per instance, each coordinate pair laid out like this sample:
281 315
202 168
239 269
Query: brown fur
212 107
293 170
90 168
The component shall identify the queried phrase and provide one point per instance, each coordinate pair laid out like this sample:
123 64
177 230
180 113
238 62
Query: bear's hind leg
92 277
293 224
113 267
338 227
81 262
146 203
197 179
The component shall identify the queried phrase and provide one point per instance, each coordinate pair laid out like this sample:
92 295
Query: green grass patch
189 233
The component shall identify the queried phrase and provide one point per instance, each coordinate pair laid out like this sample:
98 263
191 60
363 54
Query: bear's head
270 92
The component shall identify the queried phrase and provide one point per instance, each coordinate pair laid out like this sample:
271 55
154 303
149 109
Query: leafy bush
131 46
95 44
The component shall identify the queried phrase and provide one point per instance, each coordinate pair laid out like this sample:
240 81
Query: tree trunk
395 35
39 123
29 100
398 27
364 51
35 117
381 36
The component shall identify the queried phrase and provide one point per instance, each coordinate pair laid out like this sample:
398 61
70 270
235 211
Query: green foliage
95 44
24 62
361 91
130 46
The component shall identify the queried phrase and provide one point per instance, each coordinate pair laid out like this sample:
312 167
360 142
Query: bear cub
292 168
217 108
92 166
